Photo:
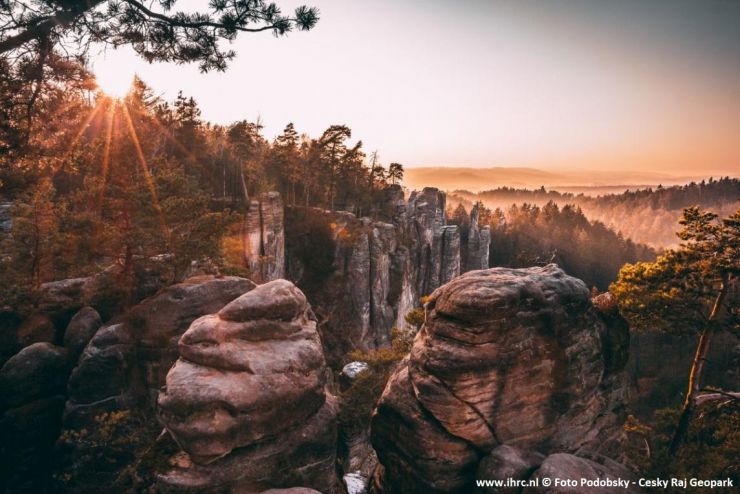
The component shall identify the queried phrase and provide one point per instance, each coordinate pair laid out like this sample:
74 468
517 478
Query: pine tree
684 291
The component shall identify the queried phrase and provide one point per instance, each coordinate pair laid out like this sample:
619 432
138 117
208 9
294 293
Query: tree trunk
245 192
697 370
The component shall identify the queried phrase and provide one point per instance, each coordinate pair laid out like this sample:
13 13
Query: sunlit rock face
505 356
247 401
264 238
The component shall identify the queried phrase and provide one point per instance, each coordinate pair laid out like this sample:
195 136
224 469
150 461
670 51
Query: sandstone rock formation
505 357
264 238
478 245
127 360
80 331
63 298
378 270
32 388
247 401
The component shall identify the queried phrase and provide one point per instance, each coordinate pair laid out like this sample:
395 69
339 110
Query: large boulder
247 400
127 360
32 387
505 356
159 321
37 371
80 330
103 291
102 382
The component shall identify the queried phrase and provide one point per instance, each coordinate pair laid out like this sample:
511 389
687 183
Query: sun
116 82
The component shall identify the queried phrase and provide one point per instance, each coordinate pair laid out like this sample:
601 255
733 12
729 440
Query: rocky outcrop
126 362
264 238
32 388
377 271
354 271
247 400
102 291
505 357
478 243
80 331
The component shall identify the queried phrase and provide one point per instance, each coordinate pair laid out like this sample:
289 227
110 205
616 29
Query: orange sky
593 85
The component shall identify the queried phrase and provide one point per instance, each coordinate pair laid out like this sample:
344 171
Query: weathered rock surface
127 360
6 218
505 356
102 380
102 291
38 371
80 331
479 243
32 387
264 238
377 271
247 401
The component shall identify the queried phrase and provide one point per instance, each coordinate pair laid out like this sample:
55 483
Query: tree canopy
153 29
686 290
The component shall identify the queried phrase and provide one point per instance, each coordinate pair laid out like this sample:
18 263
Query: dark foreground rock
247 400
32 389
516 357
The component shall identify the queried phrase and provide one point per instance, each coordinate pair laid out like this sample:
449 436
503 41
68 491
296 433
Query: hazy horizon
561 85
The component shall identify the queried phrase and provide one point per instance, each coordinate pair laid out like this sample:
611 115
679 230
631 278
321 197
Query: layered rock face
264 238
515 357
378 271
479 243
247 401
127 360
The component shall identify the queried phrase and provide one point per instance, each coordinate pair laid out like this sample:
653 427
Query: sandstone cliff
264 238
505 357
364 276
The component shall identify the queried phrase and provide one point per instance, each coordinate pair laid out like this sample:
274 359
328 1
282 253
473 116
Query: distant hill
587 182
649 216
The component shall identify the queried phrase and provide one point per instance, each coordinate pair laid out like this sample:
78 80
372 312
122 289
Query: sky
551 84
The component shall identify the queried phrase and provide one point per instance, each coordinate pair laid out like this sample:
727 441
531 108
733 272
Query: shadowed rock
80 331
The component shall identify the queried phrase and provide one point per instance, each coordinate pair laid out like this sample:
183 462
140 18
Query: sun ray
168 135
106 159
145 169
73 143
